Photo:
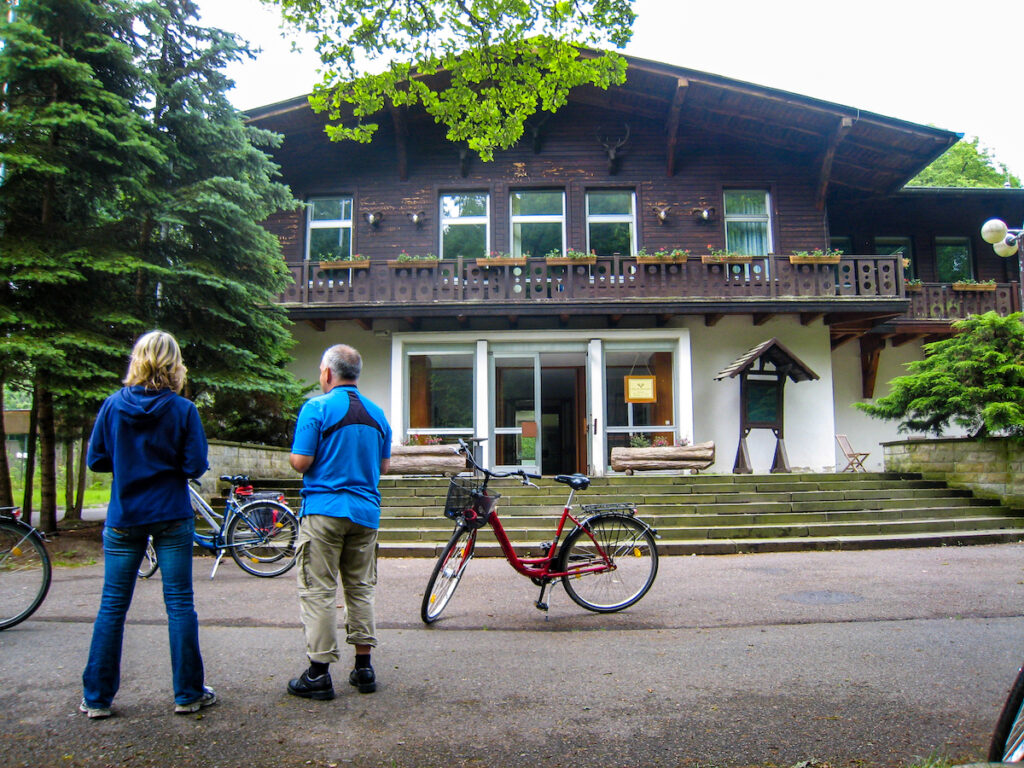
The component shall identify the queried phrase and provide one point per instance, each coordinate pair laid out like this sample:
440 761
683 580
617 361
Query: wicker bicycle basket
465 502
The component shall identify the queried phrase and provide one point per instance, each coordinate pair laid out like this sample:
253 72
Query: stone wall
993 468
262 461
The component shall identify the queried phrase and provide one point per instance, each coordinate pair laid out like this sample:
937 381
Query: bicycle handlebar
524 476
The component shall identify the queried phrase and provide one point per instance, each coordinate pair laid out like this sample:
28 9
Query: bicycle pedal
541 606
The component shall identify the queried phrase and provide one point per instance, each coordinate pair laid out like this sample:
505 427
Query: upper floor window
611 222
748 228
886 246
465 223
953 259
329 228
538 222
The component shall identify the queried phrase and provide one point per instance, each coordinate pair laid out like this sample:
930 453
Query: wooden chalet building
558 360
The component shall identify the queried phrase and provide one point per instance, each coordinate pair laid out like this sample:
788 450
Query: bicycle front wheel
24 573
594 583
149 564
1008 740
448 571
261 537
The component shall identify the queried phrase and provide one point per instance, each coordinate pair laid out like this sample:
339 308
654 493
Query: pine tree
220 271
974 379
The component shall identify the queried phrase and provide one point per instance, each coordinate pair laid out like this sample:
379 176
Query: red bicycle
607 561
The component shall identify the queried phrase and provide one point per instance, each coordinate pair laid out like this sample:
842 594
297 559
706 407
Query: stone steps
714 514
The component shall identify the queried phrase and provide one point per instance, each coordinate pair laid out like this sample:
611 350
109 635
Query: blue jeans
123 549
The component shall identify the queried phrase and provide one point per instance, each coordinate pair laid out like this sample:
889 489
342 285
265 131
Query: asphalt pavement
884 658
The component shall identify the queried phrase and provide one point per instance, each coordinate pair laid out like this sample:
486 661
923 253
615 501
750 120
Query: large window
748 228
440 395
329 227
538 223
465 222
885 246
611 222
953 259
649 421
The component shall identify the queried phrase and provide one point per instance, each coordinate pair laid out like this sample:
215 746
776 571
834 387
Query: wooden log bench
693 457
425 460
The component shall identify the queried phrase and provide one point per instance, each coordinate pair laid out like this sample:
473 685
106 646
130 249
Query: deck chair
854 460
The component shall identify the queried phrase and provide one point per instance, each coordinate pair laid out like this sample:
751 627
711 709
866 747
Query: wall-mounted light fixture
374 218
703 212
661 212
1004 241
417 218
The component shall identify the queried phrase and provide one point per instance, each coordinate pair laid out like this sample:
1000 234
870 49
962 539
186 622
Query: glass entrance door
517 436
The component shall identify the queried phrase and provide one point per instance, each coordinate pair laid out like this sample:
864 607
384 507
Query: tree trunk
30 455
83 447
47 463
6 490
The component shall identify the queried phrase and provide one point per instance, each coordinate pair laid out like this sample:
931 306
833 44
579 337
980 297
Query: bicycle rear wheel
261 537
1008 739
448 571
24 573
149 564
634 558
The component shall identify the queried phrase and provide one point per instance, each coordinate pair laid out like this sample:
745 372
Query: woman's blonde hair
156 363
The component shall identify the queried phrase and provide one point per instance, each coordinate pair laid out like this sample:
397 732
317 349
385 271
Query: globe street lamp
1005 242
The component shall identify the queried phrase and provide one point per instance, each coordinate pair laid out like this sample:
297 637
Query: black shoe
363 679
319 688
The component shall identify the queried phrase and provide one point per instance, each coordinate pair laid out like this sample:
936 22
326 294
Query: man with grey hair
342 446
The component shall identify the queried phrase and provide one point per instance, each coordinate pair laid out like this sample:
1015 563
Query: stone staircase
714 514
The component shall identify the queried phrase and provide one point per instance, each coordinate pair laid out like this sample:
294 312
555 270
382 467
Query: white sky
950 63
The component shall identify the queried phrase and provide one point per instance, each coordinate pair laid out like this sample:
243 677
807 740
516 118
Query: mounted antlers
612 149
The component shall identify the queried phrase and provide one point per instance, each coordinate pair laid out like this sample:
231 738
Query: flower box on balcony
728 258
811 259
914 287
677 256
502 261
346 264
562 260
412 263
974 286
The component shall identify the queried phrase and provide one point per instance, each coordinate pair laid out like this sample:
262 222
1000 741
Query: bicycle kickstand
216 563
541 604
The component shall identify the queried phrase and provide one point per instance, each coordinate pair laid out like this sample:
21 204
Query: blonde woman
152 441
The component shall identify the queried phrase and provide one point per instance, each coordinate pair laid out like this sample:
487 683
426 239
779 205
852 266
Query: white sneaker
94 712
208 698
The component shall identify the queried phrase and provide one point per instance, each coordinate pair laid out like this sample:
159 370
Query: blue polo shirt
348 436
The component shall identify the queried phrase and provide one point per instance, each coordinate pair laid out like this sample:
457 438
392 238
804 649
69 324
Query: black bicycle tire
1010 725
149 564
36 542
238 553
578 534
428 615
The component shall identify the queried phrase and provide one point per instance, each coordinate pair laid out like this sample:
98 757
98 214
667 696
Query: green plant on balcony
719 256
406 258
336 258
555 256
816 256
913 284
969 284
662 255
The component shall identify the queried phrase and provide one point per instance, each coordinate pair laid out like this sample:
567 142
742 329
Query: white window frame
339 224
765 217
462 220
533 219
614 218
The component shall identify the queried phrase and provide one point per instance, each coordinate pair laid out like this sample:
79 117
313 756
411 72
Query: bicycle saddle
577 482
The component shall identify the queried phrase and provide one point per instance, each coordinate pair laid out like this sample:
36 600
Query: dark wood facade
831 172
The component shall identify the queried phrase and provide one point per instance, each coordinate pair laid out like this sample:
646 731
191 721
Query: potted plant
345 261
413 260
572 256
718 256
662 256
974 285
500 258
913 285
817 256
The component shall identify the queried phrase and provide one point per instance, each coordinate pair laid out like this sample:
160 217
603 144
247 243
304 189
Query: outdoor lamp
1005 241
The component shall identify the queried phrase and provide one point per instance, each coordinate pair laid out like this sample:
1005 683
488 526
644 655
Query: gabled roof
771 351
853 149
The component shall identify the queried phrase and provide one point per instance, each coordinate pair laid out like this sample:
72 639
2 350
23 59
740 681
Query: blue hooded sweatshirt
153 442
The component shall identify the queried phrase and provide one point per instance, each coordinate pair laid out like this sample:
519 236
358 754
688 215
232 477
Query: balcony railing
622 278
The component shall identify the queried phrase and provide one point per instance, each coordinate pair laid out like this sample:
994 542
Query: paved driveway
853 658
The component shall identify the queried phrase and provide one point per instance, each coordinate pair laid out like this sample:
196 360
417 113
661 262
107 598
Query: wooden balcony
620 285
